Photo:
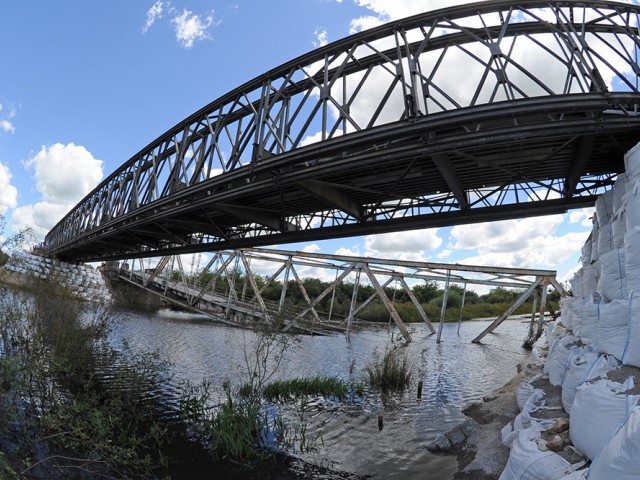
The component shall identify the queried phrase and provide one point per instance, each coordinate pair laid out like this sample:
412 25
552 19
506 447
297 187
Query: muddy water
454 372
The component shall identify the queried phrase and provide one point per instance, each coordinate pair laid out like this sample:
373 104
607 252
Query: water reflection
454 372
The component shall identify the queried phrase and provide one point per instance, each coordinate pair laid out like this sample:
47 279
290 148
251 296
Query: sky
86 85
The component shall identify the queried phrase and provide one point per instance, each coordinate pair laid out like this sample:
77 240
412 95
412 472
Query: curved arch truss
473 113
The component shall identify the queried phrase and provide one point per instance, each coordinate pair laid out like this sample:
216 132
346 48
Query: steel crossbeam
472 113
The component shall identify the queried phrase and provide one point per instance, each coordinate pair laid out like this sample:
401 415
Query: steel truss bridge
473 113
247 273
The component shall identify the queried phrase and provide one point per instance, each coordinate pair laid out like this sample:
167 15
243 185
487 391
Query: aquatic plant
389 371
327 386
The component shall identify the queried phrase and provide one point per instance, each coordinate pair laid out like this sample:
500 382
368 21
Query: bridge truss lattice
480 112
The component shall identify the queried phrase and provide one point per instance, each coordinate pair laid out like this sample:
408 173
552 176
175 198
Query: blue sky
86 85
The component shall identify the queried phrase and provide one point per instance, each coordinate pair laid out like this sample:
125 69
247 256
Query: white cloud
191 27
321 37
40 217
65 173
364 23
349 252
583 215
311 248
153 14
7 126
526 243
409 245
8 193
403 8
446 253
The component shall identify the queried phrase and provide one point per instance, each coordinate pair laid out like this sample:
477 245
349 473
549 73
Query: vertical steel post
443 309
285 284
232 286
393 301
464 294
354 298
333 296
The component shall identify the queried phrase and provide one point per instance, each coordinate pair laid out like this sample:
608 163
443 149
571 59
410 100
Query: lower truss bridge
248 287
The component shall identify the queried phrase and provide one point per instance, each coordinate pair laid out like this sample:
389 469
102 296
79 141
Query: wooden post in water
443 310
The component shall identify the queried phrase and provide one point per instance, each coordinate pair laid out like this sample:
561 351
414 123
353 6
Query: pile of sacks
83 280
596 339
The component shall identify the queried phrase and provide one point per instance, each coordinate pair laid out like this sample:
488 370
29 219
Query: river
455 372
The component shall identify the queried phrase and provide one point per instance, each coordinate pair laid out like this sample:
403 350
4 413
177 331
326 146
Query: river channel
454 372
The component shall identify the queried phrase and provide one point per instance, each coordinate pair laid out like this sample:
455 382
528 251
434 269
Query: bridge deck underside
501 162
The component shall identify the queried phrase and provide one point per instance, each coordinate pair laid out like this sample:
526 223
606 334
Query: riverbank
477 442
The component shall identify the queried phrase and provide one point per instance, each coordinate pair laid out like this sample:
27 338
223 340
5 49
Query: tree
426 292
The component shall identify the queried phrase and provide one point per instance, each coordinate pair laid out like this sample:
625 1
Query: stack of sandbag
598 411
584 365
558 360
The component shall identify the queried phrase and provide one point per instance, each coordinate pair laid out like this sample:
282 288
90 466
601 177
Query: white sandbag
557 361
619 191
612 283
590 315
605 239
586 251
631 352
589 280
604 207
598 410
568 312
619 459
577 475
619 228
632 259
632 163
523 393
595 239
555 331
632 205
611 333
587 365
576 284
527 462
526 418
586 315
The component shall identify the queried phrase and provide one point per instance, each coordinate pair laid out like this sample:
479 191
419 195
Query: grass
326 386
390 371
6 471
